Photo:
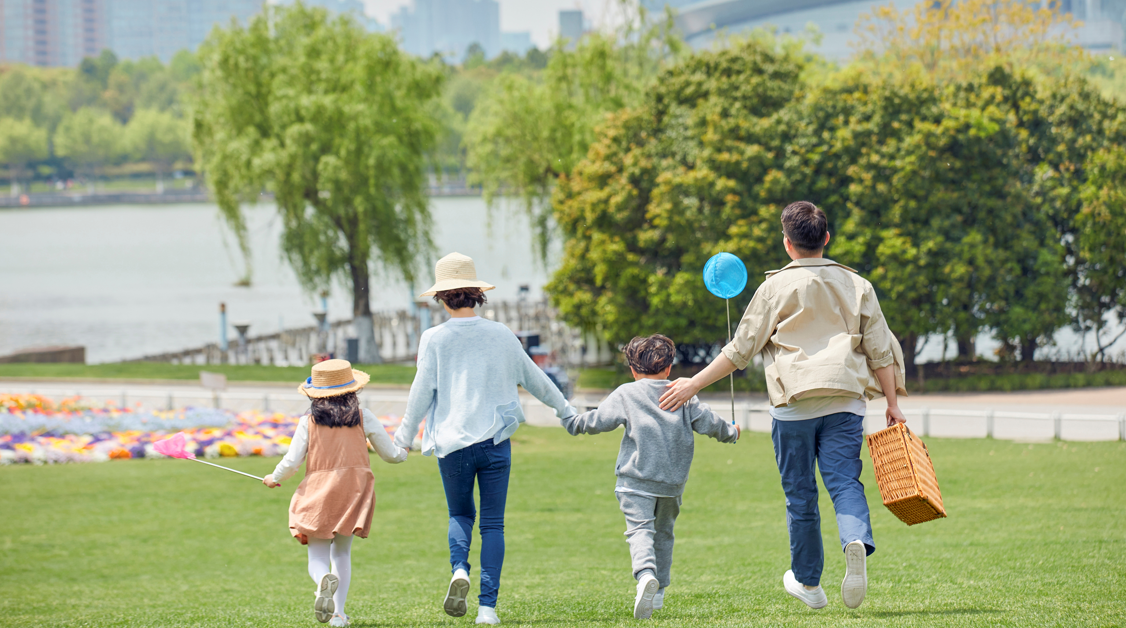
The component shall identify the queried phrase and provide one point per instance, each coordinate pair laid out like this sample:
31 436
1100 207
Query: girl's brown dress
337 495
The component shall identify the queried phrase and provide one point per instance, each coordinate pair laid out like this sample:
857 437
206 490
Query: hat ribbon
309 384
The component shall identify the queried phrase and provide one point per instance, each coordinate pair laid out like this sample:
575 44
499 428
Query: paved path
1084 414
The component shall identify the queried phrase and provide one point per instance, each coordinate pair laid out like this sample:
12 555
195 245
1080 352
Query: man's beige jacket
821 333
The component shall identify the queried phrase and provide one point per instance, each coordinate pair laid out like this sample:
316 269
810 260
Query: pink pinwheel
173 447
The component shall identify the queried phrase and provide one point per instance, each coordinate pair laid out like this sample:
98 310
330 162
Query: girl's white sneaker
813 599
339 621
323 606
855 584
454 603
647 586
486 615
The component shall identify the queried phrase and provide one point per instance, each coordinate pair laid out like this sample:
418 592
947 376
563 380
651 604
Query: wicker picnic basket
905 475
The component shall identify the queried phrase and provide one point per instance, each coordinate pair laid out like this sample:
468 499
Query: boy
825 347
653 461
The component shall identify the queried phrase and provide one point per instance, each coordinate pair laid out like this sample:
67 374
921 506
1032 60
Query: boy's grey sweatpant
649 524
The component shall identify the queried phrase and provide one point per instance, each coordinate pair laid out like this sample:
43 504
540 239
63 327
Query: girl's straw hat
455 271
332 378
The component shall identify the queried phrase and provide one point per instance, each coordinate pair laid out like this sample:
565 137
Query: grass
1035 537
380 373
1009 382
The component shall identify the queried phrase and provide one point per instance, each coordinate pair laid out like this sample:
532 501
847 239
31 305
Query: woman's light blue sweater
468 371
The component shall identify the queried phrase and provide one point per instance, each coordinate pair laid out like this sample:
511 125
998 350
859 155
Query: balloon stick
233 470
732 375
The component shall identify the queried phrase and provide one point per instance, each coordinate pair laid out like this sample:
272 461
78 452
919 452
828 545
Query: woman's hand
269 481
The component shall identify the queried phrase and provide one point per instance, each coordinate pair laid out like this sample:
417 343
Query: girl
335 500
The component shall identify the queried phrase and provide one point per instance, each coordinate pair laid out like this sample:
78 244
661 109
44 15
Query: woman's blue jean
489 465
833 444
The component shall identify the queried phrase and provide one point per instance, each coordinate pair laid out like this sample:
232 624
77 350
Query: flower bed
36 430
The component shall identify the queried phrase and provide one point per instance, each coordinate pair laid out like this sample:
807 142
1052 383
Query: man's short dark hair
462 297
805 225
650 355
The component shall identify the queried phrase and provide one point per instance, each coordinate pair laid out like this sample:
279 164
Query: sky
540 17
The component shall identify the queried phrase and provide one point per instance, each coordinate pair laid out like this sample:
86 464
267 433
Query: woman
468 371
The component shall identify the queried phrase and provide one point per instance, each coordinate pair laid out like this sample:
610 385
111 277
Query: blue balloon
725 275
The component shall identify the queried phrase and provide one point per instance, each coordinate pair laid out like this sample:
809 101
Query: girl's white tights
334 556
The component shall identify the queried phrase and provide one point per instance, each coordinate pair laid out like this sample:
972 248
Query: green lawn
1036 537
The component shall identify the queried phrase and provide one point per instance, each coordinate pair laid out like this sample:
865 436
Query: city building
450 27
62 32
571 25
700 21
518 43
52 32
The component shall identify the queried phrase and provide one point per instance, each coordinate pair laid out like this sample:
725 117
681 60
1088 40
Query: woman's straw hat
332 378
455 271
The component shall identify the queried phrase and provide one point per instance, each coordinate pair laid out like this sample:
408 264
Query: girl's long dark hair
339 411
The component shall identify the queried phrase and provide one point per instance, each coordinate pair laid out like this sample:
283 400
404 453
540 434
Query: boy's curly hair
650 355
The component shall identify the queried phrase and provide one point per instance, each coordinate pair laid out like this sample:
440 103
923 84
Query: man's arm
886 375
751 337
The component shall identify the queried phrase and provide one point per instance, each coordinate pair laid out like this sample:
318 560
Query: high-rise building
62 32
449 27
518 43
571 25
51 32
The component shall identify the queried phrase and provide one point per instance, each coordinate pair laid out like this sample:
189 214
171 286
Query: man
826 348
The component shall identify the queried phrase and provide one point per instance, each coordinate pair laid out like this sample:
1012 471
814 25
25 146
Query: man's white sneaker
486 615
659 599
855 583
454 604
647 587
323 606
813 599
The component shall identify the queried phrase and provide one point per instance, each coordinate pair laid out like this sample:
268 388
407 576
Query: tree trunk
966 349
1027 349
361 315
909 344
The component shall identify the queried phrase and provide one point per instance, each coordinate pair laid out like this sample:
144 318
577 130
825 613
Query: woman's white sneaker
855 584
454 603
813 599
323 606
486 615
647 586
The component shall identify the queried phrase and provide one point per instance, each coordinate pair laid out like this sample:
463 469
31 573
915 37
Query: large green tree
89 139
158 137
337 123
21 142
527 131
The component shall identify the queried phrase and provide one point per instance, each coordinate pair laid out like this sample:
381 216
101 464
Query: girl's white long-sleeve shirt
299 447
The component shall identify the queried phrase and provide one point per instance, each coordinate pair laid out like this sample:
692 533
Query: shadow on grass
948 611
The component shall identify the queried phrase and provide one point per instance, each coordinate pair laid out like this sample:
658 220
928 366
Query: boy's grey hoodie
657 447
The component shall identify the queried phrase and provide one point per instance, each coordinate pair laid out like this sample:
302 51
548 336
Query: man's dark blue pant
489 465
833 444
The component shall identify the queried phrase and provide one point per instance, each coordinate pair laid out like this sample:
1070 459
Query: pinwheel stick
217 466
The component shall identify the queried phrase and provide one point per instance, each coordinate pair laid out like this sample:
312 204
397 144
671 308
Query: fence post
989 423
1122 427
170 406
1057 425
124 400
266 402
926 422
215 398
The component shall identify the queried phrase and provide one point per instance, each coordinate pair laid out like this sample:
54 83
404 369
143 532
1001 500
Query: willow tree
337 123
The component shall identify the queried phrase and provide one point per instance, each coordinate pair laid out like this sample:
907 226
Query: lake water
135 280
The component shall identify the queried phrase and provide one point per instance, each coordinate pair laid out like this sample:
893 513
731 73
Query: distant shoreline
153 198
